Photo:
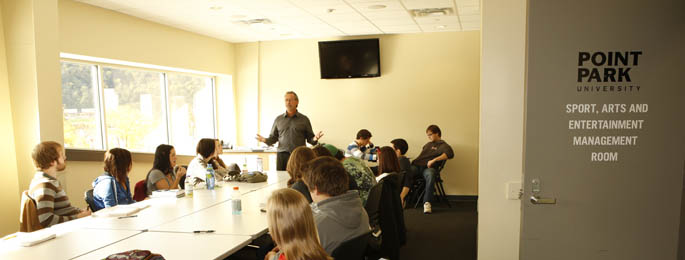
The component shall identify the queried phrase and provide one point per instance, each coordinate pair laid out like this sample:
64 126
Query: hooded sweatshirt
104 189
339 219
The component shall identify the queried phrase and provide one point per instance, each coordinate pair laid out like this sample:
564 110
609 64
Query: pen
133 216
203 231
9 237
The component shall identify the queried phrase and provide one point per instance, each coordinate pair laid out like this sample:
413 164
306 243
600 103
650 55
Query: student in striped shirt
362 147
52 203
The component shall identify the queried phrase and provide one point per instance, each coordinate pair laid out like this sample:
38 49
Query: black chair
182 181
353 249
88 196
419 187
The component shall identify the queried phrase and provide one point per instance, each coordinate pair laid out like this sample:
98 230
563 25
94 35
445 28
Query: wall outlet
514 190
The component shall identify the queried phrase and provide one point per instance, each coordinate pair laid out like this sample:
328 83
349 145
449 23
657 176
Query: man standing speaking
290 130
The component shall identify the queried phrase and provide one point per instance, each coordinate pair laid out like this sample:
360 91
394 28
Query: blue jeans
428 175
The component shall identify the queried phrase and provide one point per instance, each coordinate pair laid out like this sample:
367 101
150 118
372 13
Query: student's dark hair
363 134
319 150
118 162
387 161
326 175
434 129
401 145
45 153
161 161
205 147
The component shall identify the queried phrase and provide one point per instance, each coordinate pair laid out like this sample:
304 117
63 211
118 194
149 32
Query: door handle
537 200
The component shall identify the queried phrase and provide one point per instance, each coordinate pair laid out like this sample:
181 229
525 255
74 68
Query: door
604 147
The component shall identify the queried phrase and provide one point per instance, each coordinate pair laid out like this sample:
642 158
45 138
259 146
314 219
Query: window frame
87 154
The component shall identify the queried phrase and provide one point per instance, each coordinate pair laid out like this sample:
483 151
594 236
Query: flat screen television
349 59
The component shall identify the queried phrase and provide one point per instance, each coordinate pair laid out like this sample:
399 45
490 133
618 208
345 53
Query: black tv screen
349 59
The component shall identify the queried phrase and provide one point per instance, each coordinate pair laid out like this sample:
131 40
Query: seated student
220 168
362 176
432 152
291 225
197 168
296 165
362 147
164 175
400 146
330 150
338 212
112 188
52 203
391 213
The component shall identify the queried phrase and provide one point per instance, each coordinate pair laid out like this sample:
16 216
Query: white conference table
251 222
64 246
177 245
165 210
167 219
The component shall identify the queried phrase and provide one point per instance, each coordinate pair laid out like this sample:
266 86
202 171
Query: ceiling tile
296 18
424 4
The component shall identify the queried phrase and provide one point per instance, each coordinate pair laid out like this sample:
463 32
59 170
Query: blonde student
291 224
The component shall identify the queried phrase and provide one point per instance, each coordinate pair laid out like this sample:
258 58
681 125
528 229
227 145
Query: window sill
99 156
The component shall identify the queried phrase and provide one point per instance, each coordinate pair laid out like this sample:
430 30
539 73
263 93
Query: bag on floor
135 254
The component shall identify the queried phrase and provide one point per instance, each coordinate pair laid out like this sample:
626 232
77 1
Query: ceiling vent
431 12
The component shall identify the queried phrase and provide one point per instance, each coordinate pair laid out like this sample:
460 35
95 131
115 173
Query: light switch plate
513 190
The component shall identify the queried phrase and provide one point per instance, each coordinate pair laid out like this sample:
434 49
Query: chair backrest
140 190
372 205
28 215
353 249
88 196
440 165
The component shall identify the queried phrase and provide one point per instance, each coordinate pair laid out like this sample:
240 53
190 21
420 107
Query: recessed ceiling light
441 26
377 6
216 7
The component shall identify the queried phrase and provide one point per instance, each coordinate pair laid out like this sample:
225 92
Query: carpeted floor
448 233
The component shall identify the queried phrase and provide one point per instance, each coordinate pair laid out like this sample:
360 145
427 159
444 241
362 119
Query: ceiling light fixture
254 22
441 26
375 7
431 12
216 7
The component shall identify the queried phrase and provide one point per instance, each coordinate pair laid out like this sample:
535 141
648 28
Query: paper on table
120 210
175 193
34 238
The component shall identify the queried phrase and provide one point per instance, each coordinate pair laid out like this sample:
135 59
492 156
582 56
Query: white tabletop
177 245
64 246
206 210
251 221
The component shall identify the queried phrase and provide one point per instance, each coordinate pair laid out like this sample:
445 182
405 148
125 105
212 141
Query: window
82 126
134 108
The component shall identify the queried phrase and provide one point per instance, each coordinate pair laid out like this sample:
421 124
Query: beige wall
501 126
400 103
9 194
247 92
93 31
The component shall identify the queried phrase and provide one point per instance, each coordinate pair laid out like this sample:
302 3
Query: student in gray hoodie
338 212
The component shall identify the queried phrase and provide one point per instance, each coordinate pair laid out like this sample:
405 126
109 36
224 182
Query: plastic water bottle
210 177
188 186
245 165
236 205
